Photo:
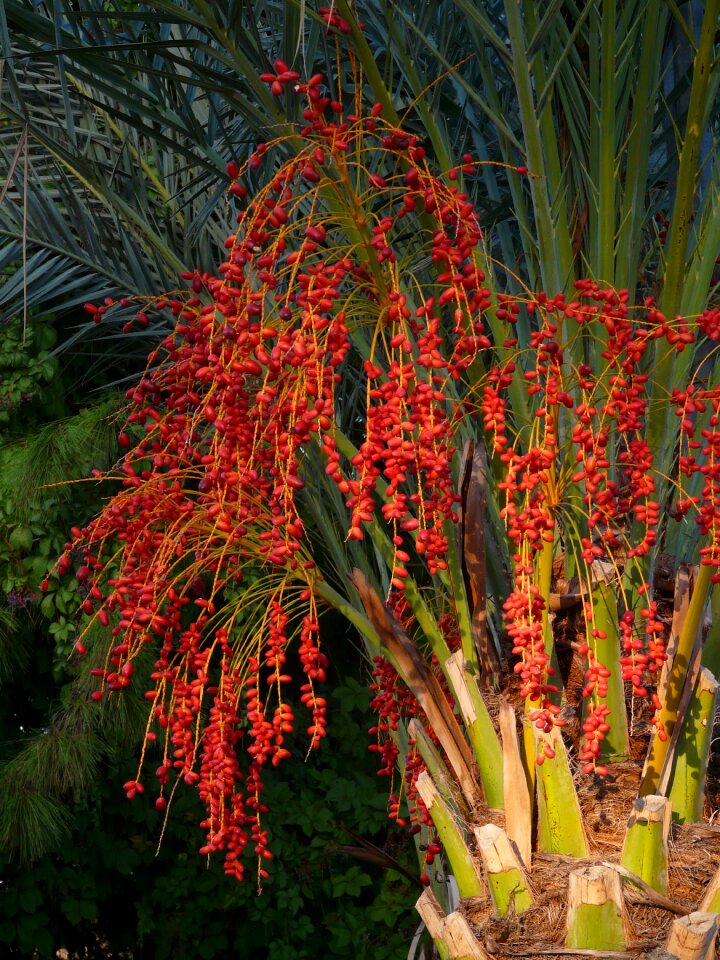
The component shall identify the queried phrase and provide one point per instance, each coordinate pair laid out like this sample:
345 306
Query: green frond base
462 863
509 891
595 927
645 850
687 785
560 826
714 905
607 652
481 730
595 909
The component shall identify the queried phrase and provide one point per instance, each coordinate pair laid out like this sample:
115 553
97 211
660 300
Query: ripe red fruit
245 386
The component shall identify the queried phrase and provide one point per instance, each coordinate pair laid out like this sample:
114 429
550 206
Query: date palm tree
454 377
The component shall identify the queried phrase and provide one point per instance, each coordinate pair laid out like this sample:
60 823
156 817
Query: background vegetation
118 122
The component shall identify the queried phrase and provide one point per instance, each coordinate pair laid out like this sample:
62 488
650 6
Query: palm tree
493 461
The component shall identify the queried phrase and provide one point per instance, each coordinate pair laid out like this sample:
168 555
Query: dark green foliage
106 887
40 499
27 371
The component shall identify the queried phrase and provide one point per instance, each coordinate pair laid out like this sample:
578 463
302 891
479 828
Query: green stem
711 650
481 731
604 259
607 653
453 838
560 823
687 785
460 601
551 266
661 432
436 767
687 172
506 879
425 619
711 901
544 581
669 711
595 910
645 850
452 934
634 210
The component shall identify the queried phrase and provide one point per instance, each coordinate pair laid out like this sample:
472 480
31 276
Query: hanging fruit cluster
212 478
319 283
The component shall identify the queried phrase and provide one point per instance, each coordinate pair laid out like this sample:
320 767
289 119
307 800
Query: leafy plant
359 376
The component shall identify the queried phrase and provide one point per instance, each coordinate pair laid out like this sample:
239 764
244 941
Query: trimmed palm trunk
595 910
506 879
693 937
645 850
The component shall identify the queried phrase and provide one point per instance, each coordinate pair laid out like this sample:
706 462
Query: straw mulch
606 806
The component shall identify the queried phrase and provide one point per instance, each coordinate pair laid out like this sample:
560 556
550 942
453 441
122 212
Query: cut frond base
540 930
